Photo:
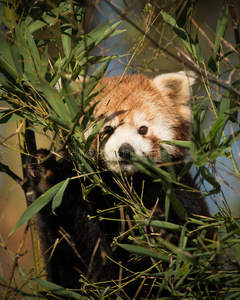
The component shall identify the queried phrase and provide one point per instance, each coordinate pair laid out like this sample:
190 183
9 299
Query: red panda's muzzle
125 151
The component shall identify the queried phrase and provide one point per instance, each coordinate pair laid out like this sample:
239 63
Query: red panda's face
131 132
140 113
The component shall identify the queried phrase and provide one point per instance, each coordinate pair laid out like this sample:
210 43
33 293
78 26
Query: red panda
140 114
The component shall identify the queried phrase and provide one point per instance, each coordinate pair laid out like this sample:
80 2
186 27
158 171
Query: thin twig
11 135
15 263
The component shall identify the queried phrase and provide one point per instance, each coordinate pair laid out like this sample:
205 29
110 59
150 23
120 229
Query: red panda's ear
177 87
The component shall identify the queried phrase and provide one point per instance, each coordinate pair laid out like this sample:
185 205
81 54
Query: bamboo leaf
37 205
9 116
176 204
43 66
6 61
167 159
96 36
215 134
57 289
96 76
69 98
57 199
162 225
93 134
209 178
54 100
192 46
145 252
185 255
67 39
33 50
181 144
16 56
220 30
48 18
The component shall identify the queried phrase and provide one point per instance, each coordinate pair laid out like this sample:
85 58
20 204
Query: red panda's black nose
125 151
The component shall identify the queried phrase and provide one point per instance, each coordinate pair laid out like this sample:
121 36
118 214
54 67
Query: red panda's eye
143 130
108 130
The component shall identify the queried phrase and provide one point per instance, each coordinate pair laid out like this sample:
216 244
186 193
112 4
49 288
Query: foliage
44 44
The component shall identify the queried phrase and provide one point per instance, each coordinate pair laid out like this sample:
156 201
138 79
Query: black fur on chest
85 231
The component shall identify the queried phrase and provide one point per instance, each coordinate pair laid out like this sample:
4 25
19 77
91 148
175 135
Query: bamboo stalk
27 143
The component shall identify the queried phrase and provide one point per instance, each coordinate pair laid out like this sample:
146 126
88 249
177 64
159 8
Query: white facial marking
128 133
159 126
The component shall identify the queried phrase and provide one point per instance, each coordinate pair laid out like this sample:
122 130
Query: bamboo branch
15 263
188 62
27 144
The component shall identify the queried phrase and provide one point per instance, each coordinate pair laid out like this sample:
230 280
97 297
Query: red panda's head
140 113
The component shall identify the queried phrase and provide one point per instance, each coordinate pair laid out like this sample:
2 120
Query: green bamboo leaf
93 134
209 178
54 100
29 69
37 205
197 52
185 255
33 49
184 170
209 156
183 273
69 98
82 161
162 225
43 66
96 76
90 97
224 105
197 138
150 168
216 132
176 204
9 116
181 144
6 61
178 30
231 140
60 121
233 228
145 252
57 289
220 29
192 46
48 18
57 199
16 56
167 203
96 36
67 39
167 159
4 84
233 296
212 65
